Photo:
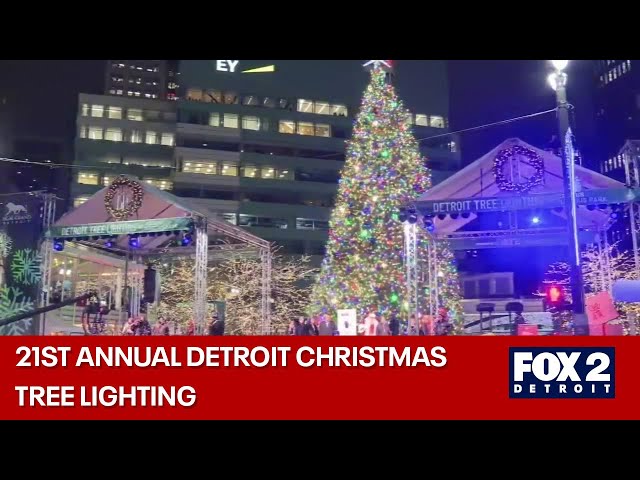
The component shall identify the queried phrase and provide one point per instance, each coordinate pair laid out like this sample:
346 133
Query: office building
617 108
149 79
259 143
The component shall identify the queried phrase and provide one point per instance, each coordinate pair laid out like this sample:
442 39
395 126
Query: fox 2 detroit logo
548 372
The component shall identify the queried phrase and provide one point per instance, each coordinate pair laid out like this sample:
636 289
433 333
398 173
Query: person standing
382 329
370 325
325 329
216 326
394 326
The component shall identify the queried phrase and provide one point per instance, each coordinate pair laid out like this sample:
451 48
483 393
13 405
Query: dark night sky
486 91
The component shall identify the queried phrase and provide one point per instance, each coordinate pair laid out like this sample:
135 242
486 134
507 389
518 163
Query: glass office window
305 106
422 120
287 126
88 178
167 139
114 113
230 120
113 134
306 128
214 119
136 136
249 171
251 123
95 133
267 172
323 130
151 138
97 111
229 169
134 114
436 121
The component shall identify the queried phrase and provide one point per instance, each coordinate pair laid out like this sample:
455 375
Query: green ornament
394 216
385 154
394 298
364 233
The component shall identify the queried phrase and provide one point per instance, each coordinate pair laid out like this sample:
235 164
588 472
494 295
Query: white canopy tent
160 219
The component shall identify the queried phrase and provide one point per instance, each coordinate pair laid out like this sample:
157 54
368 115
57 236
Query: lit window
285 174
106 180
453 148
95 133
161 184
436 121
129 93
305 106
422 120
615 74
137 94
249 171
167 139
339 110
112 91
409 119
85 109
114 113
229 169
97 111
113 134
251 123
250 100
268 102
287 126
79 201
83 132
230 217
118 92
230 120
268 172
194 94
628 64
136 136
230 98
134 114
610 76
88 178
214 119
624 69
305 128
323 130
212 96
151 138
311 224
322 108
203 168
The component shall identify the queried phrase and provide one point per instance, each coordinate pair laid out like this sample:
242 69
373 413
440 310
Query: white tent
478 180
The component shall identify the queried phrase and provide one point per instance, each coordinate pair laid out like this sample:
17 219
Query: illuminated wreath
130 208
535 161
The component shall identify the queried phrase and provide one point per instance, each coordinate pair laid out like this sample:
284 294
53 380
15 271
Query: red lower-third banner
319 378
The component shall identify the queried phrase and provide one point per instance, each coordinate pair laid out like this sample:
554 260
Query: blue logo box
562 372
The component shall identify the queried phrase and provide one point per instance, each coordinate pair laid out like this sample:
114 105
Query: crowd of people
375 324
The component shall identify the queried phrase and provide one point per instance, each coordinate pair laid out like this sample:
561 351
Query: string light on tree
363 267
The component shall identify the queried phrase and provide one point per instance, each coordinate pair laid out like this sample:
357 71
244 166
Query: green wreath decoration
535 161
130 208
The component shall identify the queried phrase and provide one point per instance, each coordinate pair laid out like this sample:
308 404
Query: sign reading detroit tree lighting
121 228
525 202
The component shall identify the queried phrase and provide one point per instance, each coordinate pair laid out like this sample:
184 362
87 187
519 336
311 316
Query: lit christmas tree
364 267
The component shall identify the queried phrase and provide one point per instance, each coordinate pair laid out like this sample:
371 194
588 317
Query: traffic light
555 295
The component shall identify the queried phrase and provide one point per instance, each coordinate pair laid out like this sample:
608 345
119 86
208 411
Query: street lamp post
558 81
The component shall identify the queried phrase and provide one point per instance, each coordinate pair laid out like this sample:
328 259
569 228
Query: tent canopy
478 180
158 208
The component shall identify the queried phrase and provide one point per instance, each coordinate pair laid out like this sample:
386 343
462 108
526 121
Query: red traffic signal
555 295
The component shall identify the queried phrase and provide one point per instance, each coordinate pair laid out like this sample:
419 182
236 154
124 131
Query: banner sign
215 378
347 322
527 202
20 259
131 227
525 330
600 310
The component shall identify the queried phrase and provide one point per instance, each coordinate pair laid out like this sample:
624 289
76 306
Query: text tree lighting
363 268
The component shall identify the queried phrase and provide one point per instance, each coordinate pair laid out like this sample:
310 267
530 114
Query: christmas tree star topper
377 63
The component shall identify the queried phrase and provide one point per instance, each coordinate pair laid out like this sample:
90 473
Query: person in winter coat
394 326
216 326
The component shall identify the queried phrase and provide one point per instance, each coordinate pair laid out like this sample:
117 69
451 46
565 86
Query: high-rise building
617 109
259 143
150 79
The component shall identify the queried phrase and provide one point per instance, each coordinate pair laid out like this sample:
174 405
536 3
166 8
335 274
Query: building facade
149 79
617 108
259 143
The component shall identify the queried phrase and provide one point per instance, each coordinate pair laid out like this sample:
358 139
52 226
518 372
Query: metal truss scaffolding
201 261
266 257
432 272
411 271
46 250
632 174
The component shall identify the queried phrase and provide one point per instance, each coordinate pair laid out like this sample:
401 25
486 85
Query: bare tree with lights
237 281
